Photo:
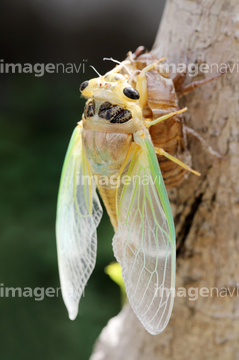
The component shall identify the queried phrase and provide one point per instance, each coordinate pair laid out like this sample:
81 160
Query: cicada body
112 149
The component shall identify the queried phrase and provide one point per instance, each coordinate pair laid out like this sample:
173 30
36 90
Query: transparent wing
78 215
144 243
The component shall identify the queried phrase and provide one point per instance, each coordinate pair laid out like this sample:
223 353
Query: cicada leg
149 122
138 51
181 76
160 151
204 144
141 84
179 80
195 84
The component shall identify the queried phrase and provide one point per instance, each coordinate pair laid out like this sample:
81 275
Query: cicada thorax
106 151
107 110
168 134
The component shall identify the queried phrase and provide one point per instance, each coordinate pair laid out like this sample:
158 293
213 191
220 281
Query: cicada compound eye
131 93
84 85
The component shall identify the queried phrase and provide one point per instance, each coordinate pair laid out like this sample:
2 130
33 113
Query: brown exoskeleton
163 93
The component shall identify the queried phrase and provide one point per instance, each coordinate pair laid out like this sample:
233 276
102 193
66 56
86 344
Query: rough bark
206 209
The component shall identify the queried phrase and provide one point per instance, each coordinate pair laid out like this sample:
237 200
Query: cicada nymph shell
163 92
162 99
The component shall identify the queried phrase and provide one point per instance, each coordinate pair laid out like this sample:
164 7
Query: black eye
84 85
131 93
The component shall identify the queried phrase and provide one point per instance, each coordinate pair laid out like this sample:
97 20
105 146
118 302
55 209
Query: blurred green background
37 117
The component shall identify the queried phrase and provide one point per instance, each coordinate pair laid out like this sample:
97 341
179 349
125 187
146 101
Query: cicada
111 149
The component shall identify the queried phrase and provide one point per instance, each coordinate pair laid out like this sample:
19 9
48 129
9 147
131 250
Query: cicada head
111 100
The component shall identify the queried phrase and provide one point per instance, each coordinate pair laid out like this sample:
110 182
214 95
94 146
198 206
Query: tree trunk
206 209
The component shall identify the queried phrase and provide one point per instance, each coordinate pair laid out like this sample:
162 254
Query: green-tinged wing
78 215
144 243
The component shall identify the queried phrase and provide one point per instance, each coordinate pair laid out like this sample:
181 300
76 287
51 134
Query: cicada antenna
120 65
111 59
95 70
134 73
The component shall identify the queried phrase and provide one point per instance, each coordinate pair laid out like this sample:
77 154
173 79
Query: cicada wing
144 243
78 215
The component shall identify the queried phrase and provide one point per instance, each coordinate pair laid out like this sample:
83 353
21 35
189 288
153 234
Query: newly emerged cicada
111 149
